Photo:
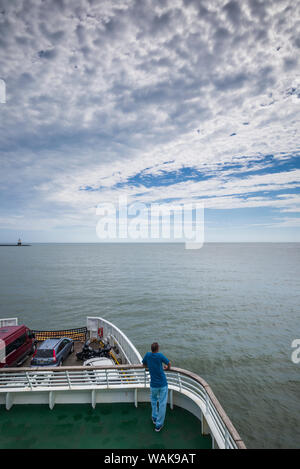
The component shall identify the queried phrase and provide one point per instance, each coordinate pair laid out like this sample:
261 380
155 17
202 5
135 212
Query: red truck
16 343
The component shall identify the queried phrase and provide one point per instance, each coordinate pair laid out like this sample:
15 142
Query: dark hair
154 347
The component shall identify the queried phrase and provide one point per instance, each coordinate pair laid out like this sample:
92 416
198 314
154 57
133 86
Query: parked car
16 343
99 361
100 375
52 352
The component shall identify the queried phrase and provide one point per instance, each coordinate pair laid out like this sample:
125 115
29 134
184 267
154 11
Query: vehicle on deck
88 352
16 343
101 376
53 352
99 361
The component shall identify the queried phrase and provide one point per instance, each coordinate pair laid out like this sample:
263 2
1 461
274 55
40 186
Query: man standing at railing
158 384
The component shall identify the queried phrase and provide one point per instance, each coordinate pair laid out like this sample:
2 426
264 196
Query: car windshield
44 353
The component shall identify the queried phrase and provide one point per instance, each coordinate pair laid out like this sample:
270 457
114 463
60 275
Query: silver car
53 352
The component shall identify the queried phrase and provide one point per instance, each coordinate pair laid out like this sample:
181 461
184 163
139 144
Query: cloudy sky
159 100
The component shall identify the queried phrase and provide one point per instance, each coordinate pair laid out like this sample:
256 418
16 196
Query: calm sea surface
228 312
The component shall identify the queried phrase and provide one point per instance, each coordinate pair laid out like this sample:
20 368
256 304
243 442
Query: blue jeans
159 398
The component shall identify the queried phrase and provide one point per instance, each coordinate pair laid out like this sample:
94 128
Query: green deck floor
108 426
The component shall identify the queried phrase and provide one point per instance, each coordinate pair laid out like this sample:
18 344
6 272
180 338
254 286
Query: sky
160 101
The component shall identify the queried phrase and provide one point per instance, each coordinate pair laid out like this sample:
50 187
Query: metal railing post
206 402
226 439
29 380
68 379
179 381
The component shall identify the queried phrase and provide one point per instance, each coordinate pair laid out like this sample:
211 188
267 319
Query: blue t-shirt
154 362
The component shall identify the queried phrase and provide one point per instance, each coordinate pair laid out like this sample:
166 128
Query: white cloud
99 91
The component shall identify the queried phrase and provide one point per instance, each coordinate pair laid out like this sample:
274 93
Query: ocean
228 312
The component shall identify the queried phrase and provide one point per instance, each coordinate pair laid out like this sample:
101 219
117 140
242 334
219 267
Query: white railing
8 322
127 349
122 378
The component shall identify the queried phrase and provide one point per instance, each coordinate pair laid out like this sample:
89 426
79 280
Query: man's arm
166 361
144 361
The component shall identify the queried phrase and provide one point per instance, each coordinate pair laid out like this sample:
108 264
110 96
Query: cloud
102 94
47 54
233 12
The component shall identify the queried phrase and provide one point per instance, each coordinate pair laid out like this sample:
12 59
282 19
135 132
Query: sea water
228 312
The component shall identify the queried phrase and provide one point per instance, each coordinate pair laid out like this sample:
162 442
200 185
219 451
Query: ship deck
108 426
49 420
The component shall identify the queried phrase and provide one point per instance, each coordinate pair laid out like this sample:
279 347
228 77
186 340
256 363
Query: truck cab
16 343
